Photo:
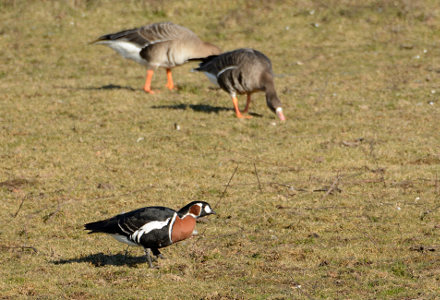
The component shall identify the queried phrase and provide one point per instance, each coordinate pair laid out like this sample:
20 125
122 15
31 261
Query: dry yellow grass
341 201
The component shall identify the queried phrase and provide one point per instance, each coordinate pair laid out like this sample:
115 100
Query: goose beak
279 112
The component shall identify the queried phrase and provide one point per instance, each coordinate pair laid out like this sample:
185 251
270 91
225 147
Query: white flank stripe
225 69
171 226
155 42
136 236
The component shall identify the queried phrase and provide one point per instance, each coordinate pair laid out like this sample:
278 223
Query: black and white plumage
153 227
243 71
164 44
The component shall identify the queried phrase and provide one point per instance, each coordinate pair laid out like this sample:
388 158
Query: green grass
341 201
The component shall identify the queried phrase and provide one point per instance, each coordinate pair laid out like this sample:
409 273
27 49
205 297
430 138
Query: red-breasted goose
243 71
164 45
153 227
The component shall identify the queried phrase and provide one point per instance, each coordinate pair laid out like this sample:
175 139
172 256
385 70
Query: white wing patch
136 236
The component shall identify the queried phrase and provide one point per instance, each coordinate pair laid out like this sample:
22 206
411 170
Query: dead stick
436 184
30 248
18 210
20 247
323 90
50 215
258 178
230 179
333 186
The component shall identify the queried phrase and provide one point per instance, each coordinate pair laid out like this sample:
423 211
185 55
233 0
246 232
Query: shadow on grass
200 108
103 88
101 259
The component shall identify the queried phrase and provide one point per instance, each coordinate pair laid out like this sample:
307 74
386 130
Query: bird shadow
110 86
101 260
205 108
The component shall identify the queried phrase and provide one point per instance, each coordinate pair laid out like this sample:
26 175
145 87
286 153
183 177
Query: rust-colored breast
182 228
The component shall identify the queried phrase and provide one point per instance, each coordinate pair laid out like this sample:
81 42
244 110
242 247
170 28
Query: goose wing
164 32
129 223
149 34
218 64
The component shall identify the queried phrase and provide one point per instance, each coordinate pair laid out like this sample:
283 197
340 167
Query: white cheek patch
208 210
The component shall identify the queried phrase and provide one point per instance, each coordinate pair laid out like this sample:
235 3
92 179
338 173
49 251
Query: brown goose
165 45
243 71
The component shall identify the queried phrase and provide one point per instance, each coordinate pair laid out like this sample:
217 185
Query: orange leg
237 111
170 83
248 101
147 86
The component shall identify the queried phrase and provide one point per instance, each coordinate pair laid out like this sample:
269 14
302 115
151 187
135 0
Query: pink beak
279 112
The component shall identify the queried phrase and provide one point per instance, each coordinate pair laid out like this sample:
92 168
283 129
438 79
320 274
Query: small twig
299 288
258 178
333 186
20 247
50 215
227 185
323 90
427 212
371 143
354 143
383 180
199 236
437 190
18 210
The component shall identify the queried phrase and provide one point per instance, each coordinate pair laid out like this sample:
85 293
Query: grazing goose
164 45
153 227
243 71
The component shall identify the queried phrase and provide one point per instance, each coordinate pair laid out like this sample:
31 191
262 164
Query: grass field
342 201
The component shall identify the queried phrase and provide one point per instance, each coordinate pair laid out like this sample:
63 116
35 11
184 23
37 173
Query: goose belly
174 57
